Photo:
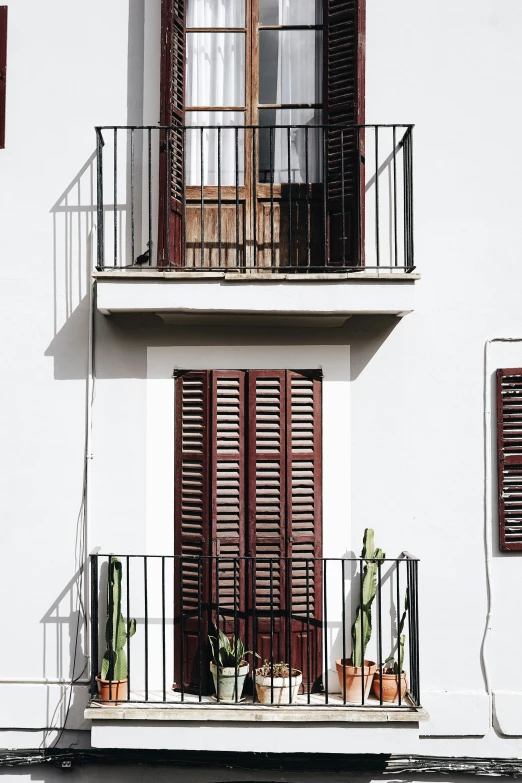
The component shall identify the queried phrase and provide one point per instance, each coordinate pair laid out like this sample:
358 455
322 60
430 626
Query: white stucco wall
418 406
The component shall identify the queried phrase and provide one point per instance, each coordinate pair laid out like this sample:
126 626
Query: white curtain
215 147
216 13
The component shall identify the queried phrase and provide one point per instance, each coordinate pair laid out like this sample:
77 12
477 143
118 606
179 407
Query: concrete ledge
257 277
256 714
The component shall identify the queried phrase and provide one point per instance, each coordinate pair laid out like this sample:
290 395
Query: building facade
267 300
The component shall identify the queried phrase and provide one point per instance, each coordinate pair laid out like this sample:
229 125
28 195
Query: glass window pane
217 147
305 145
216 13
215 69
290 66
283 12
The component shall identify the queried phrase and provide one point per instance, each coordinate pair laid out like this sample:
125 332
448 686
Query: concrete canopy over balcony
219 297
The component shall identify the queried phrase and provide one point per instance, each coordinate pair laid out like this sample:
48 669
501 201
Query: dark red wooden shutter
3 70
509 447
344 102
267 505
191 521
304 518
228 496
170 223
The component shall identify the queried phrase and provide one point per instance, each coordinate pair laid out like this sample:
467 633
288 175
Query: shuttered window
3 68
248 483
337 28
509 447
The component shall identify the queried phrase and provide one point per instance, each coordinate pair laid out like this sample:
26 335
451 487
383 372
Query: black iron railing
295 610
299 198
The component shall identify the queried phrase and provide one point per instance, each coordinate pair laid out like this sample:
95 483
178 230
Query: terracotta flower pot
281 688
390 686
114 692
350 679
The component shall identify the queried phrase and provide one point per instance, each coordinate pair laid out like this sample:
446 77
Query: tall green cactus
390 662
362 627
114 664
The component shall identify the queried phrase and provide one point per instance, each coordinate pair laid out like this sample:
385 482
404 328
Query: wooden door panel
289 234
220 227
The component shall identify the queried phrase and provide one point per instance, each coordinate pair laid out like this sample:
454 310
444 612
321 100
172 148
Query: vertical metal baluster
168 184
288 578
325 615
238 256
272 260
377 233
111 623
253 564
94 623
360 202
325 206
405 197
219 195
234 564
163 635
182 630
127 563
416 631
410 182
202 195
343 578
342 200
308 651
307 177
133 248
149 177
289 259
200 641
115 197
379 616
398 602
395 245
99 199
254 195
184 196
361 562
272 631
146 597
217 625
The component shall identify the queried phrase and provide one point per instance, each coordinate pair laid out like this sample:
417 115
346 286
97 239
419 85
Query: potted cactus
273 684
113 678
228 666
352 671
387 682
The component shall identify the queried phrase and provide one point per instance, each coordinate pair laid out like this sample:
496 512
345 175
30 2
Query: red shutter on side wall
345 22
509 449
3 71
170 219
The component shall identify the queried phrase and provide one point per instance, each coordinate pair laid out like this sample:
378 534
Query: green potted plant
273 684
352 671
387 683
228 666
113 678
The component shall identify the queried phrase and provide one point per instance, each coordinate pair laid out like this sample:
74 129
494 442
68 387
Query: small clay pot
350 679
280 692
390 686
114 691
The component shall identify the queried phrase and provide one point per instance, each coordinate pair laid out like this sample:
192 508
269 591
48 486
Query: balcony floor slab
208 294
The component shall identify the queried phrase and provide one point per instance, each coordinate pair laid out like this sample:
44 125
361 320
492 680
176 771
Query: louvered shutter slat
509 448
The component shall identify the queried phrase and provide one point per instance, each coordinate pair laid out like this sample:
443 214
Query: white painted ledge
508 712
331 298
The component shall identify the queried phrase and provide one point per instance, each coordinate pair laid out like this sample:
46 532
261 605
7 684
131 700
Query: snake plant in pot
386 686
356 673
228 666
113 679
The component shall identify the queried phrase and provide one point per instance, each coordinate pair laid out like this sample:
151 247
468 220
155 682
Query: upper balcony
288 222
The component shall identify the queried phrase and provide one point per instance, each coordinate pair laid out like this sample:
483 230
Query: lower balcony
298 619
290 221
